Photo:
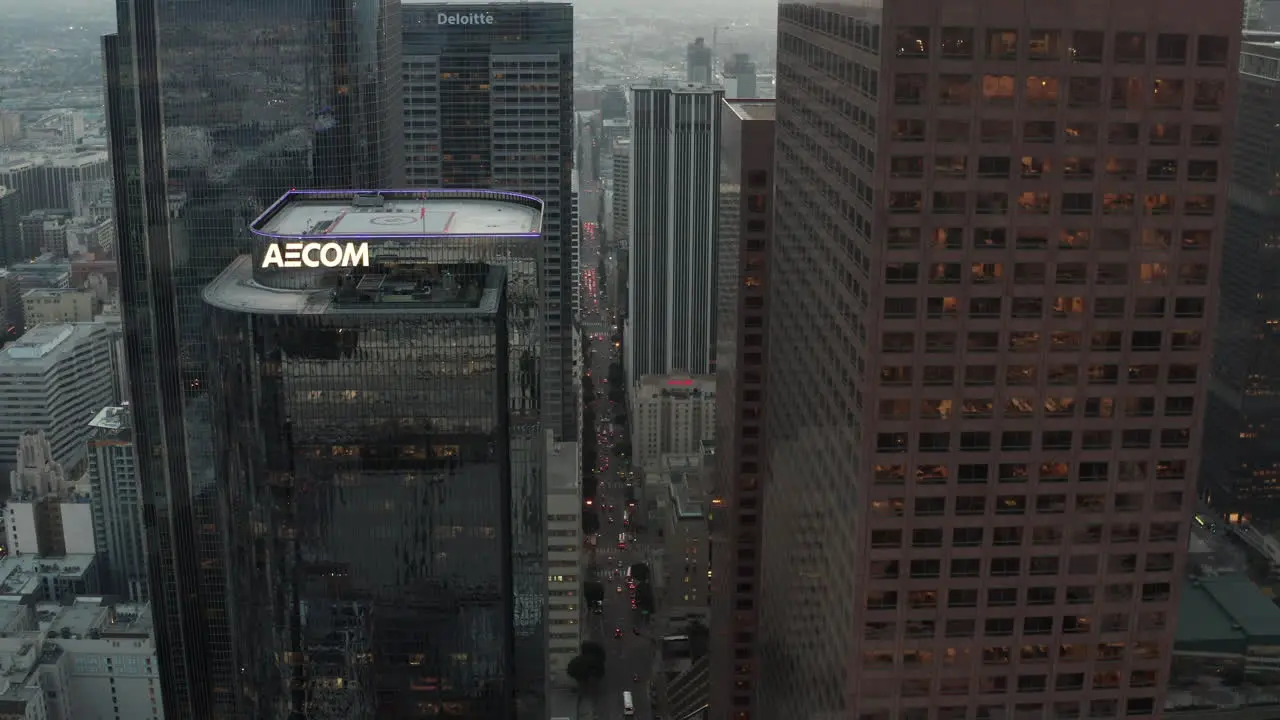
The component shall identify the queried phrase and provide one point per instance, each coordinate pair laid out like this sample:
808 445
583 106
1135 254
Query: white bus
628 707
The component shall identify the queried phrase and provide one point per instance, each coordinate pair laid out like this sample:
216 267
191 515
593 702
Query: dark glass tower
214 109
1241 468
367 428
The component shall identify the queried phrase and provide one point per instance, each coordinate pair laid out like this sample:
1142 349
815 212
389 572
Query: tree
617 394
622 448
616 374
586 669
620 419
588 462
640 571
590 521
593 650
593 591
699 638
644 598
590 486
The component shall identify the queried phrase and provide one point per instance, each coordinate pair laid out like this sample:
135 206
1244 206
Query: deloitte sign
474 18
316 255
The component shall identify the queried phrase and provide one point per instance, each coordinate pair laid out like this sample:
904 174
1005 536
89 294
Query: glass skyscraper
488 102
372 379
214 109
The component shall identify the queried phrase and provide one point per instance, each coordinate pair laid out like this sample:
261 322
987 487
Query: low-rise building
61 305
46 515
671 415
686 541
40 579
86 659
565 606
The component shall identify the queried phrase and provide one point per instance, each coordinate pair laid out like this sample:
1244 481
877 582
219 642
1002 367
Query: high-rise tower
698 62
998 229
673 211
371 409
213 111
489 104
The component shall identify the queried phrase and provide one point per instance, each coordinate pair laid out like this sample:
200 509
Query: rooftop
1226 614
112 419
753 109
46 343
399 213
21 574
564 466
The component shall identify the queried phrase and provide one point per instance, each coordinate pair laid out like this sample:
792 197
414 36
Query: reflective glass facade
1241 469
214 109
364 452
488 97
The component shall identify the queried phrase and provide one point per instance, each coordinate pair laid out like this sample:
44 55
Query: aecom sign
316 255
475 18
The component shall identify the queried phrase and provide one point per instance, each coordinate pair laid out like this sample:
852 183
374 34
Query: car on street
617 632
619 589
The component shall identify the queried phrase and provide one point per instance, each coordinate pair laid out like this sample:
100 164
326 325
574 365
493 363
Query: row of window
1121 93
1018 535
1033 167
1084 46
1050 471
1099 341
1050 440
1064 306
1062 710
1039 273
1048 504
1033 683
1021 441
1072 132
1033 341
1038 238
1043 566
959 202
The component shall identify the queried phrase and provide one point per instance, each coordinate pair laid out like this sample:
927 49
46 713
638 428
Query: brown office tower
991 290
746 187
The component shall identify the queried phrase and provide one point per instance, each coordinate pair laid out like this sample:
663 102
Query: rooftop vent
368 200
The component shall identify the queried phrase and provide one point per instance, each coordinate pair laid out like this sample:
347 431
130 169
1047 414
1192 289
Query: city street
630 658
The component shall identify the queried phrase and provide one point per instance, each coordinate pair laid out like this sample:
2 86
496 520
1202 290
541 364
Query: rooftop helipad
400 213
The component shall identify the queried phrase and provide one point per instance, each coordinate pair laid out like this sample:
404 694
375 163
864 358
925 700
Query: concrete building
566 611
46 515
673 215
746 182
686 542
89 236
45 181
740 77
10 235
58 580
987 353
43 232
619 229
89 660
12 313
698 62
64 305
111 320
117 501
54 378
671 415
43 271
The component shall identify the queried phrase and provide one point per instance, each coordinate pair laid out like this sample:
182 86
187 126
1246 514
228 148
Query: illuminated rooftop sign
316 255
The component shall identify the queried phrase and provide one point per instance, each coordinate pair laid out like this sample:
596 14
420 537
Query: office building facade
489 104
671 415
746 229
54 378
740 77
117 504
1241 470
989 309
673 210
304 95
383 401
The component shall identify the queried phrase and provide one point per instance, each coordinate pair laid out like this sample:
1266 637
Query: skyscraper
213 110
673 215
746 224
698 62
489 104
740 77
1242 463
373 397
997 230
